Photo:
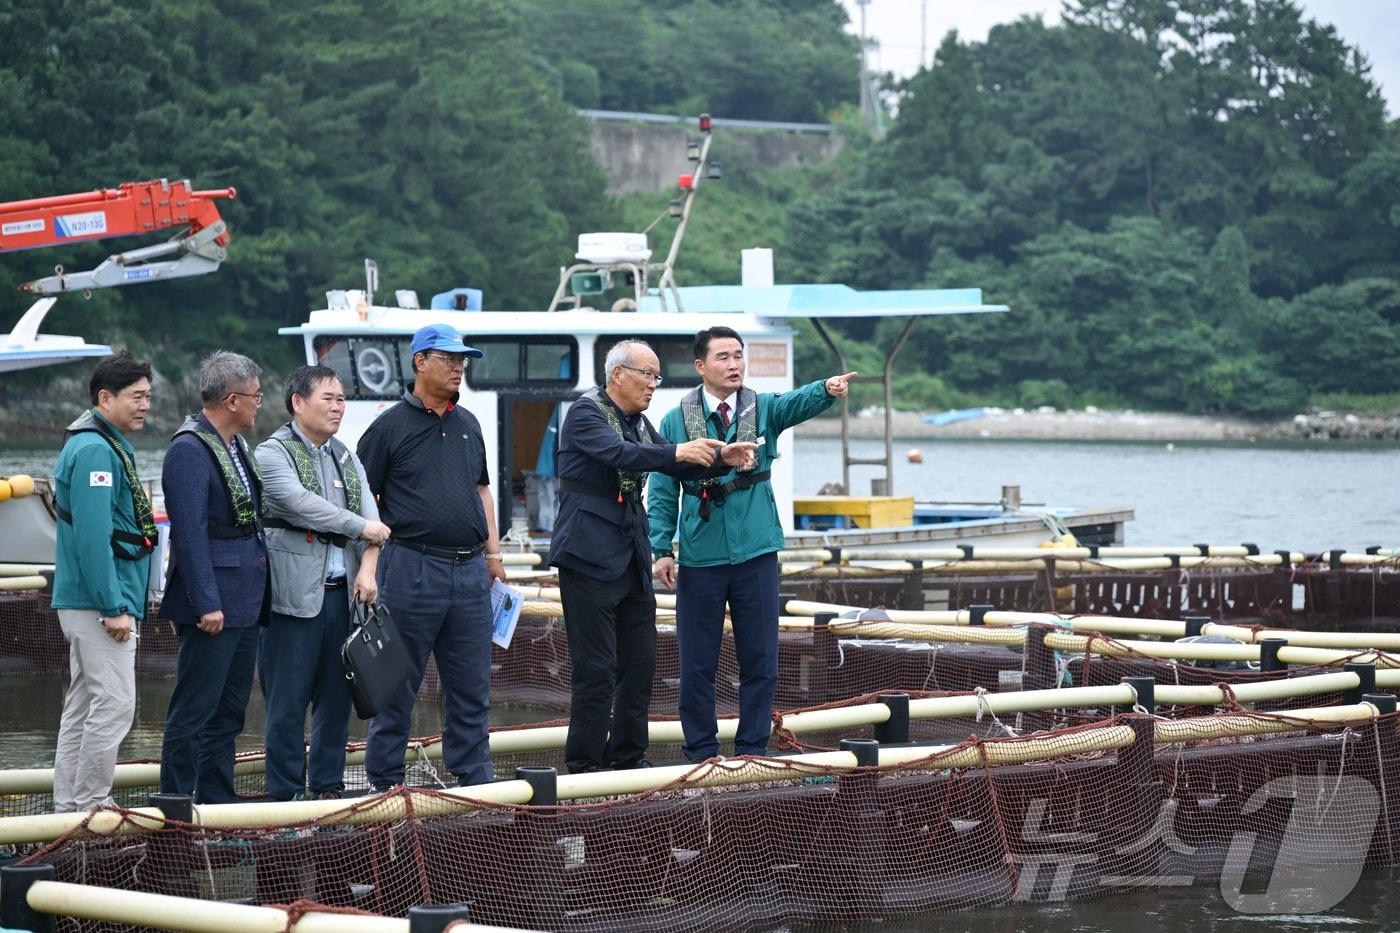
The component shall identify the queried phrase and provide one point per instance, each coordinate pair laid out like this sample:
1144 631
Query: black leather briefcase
376 660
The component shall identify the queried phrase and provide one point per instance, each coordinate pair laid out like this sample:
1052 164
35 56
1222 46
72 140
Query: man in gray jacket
323 538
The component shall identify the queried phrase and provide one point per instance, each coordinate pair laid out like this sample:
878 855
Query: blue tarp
954 415
827 301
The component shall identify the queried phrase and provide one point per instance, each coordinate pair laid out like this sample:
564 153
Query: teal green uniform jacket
90 483
745 524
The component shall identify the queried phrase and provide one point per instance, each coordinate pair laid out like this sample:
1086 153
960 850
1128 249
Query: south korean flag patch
99 478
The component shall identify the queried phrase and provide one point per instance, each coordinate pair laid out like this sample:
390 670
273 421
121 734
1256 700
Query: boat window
369 367
516 361
676 353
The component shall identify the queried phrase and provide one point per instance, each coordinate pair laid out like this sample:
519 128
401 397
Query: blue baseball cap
442 337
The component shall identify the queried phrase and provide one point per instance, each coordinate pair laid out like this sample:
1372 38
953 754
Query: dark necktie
723 409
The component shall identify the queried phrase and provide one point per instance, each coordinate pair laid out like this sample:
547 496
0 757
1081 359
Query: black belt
234 532
709 495
588 489
143 544
633 516
337 584
461 553
325 537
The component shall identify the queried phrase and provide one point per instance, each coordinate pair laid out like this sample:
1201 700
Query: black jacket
595 534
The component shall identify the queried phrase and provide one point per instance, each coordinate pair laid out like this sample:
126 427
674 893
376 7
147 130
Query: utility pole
923 34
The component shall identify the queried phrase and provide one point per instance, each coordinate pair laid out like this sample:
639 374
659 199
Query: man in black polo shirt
425 460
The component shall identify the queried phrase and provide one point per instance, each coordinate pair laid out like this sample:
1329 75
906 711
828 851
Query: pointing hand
739 454
700 451
838 386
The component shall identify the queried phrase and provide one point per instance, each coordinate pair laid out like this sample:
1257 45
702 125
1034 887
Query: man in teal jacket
105 537
730 536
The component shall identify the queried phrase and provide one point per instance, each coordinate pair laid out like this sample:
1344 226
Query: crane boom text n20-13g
131 209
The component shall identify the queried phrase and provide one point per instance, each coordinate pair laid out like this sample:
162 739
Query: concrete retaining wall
649 157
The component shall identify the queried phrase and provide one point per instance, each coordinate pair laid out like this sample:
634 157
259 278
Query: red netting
1304 808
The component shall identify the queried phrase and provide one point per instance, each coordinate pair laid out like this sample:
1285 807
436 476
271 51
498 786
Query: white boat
536 363
25 348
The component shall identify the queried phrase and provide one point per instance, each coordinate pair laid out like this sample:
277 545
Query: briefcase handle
363 613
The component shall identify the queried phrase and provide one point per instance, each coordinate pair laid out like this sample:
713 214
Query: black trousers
612 643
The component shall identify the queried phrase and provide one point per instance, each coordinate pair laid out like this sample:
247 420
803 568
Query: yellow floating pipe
1226 726
20 584
1109 625
167 912
837 717
15 830
1367 560
1020 701
1215 652
1382 641
729 772
1285 688
1016 751
532 575
970 635
24 570
46 827
126 776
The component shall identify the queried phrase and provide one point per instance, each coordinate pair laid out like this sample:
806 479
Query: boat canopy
828 301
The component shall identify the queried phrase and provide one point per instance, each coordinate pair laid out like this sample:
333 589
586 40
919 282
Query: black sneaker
328 795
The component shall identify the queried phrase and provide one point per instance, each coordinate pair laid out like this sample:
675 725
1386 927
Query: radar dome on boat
604 248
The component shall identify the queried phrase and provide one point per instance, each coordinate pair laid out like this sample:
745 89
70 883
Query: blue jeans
299 661
751 588
442 607
213 679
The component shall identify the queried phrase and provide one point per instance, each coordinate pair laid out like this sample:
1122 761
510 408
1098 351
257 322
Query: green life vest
247 520
310 480
714 489
145 542
629 485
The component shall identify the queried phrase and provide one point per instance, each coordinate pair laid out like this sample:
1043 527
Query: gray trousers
97 712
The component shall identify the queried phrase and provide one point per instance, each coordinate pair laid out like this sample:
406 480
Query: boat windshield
378 367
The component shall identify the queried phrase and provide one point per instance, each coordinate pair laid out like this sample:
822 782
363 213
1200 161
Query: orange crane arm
132 208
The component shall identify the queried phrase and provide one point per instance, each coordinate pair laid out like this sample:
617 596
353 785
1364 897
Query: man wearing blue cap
425 460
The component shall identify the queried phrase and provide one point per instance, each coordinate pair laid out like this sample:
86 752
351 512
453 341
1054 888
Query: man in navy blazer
217 589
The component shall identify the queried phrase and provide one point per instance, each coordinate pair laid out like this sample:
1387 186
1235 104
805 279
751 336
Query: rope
996 811
984 707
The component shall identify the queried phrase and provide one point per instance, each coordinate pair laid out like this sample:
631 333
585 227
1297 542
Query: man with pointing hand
729 540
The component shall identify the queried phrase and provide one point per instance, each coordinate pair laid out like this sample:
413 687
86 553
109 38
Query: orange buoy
4 489
21 485
914 455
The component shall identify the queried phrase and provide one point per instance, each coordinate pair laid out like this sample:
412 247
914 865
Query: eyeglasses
453 362
648 375
257 397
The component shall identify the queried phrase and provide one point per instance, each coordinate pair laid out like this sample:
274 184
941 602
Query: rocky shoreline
1094 425
39 415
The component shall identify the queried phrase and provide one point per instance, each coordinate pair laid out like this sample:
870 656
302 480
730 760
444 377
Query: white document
505 612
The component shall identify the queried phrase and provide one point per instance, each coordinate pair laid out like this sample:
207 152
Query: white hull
25 348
